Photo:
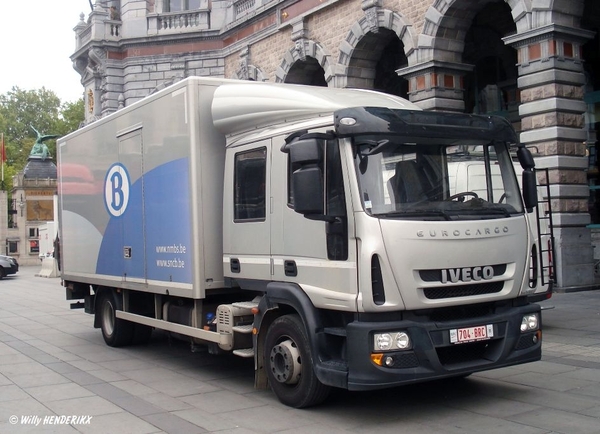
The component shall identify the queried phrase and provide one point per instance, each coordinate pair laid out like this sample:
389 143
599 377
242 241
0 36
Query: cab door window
250 173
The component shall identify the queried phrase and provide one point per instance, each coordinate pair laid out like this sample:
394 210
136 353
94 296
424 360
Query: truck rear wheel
116 332
288 362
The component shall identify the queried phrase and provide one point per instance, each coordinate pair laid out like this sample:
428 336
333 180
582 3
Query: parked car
8 265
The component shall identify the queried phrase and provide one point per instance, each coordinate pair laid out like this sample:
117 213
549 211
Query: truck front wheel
288 362
116 332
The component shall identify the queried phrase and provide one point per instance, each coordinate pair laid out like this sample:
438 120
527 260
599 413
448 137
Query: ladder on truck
545 228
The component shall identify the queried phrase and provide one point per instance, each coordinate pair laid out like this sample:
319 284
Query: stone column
551 83
437 85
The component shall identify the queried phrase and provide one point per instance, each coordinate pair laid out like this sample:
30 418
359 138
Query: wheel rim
108 319
286 364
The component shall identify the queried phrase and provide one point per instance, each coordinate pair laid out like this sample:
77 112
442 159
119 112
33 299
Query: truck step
244 352
245 304
245 329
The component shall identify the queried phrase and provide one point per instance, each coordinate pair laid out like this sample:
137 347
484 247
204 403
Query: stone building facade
32 207
529 60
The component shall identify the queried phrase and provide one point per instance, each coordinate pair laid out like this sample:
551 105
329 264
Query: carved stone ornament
90 96
372 20
243 72
299 47
244 61
97 55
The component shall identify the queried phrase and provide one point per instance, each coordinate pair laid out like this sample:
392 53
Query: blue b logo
116 190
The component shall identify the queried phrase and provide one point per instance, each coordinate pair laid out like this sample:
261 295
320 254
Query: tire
116 332
288 361
2 273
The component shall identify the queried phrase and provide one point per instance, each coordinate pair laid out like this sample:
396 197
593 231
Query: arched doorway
374 62
306 72
491 88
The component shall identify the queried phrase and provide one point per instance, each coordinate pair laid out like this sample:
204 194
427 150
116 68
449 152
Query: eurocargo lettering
340 238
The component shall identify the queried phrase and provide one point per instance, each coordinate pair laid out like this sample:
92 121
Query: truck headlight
391 341
530 322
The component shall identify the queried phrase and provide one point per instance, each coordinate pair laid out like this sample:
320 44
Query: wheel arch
282 298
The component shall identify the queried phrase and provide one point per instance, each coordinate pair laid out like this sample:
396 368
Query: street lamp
21 205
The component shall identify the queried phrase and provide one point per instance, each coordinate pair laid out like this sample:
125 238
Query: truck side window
250 174
337 232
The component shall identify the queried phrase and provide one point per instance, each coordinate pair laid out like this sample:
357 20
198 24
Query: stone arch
445 23
374 19
303 50
250 72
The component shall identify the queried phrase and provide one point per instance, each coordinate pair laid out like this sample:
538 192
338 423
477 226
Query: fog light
389 361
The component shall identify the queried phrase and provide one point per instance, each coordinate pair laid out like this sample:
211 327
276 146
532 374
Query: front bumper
433 356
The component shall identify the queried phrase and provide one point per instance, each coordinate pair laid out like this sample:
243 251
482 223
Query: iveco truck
332 235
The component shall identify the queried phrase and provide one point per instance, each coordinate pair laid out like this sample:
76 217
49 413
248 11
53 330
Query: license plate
471 334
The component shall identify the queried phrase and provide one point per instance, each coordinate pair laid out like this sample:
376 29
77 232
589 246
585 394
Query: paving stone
559 421
57 392
173 424
89 405
164 387
122 423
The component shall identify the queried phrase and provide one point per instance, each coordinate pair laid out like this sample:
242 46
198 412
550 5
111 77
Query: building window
181 5
250 185
33 233
34 246
12 247
12 212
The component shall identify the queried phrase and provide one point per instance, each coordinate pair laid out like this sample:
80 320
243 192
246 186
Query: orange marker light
377 358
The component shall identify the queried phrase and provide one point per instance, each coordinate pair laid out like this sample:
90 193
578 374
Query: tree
41 108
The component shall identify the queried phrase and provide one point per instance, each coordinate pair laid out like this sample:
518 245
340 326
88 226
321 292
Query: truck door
319 256
122 252
247 212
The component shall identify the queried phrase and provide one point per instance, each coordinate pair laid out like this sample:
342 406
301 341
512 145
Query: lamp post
22 205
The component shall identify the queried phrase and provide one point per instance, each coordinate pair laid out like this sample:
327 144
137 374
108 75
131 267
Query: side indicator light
377 358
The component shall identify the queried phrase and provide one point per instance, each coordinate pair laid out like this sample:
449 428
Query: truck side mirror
306 158
530 189
525 158
529 179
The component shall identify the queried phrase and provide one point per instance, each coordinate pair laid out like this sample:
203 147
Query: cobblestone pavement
55 365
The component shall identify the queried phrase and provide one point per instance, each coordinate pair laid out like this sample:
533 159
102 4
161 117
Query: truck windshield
435 181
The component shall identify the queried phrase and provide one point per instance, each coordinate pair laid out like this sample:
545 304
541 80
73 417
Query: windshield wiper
485 210
374 147
415 213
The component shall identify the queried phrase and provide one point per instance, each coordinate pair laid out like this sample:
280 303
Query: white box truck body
313 229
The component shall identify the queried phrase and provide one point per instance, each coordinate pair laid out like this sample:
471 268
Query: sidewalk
55 365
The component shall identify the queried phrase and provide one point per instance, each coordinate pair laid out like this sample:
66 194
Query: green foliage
41 108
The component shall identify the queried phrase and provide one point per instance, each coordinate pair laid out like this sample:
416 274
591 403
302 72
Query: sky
36 41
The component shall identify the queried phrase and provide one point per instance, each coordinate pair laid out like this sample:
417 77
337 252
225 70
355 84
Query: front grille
463 353
436 275
406 360
463 290
525 341
462 312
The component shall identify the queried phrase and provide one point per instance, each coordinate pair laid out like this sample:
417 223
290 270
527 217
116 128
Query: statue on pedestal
39 149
